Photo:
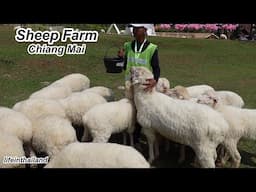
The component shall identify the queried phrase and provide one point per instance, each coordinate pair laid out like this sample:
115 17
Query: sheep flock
72 125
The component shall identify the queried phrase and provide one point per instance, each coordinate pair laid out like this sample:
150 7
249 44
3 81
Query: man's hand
151 83
120 53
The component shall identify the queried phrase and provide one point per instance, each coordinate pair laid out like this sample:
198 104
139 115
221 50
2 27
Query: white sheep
241 121
178 92
76 81
53 91
227 98
34 108
181 121
197 90
10 146
15 123
162 84
105 119
105 92
77 104
51 134
98 155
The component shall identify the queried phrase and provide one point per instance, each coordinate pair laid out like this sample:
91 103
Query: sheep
105 92
34 108
10 146
227 98
197 90
241 121
77 104
76 81
162 84
181 121
98 155
128 90
51 134
105 119
178 92
53 91
15 123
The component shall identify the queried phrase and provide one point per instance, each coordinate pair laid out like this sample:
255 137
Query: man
140 52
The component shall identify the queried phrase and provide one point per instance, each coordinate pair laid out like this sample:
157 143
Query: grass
227 65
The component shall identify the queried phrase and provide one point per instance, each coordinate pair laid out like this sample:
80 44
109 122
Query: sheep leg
231 147
223 156
151 152
182 154
156 148
85 136
167 146
124 138
131 139
27 149
101 138
150 135
206 155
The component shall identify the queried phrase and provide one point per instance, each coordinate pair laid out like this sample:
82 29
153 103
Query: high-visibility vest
142 59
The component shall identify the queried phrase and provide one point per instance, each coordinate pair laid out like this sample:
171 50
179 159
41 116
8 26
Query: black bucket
113 64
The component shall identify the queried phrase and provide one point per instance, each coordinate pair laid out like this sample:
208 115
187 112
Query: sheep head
209 99
162 85
140 75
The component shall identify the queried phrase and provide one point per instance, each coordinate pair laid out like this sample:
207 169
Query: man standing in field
140 52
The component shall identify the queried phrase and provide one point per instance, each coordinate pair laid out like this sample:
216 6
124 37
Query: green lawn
227 65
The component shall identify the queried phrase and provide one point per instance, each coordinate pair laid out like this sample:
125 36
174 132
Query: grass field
225 65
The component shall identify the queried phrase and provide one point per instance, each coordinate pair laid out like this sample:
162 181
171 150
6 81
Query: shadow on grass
247 158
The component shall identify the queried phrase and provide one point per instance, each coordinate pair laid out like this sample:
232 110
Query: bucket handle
106 52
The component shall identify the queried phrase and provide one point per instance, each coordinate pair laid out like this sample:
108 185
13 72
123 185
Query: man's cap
138 26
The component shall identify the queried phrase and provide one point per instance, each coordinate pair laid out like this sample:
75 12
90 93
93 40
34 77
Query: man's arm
121 54
155 65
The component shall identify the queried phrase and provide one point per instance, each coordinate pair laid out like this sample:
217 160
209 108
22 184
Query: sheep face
162 85
139 76
208 100
173 93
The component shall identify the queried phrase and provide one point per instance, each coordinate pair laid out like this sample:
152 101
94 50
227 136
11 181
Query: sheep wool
98 155
105 119
241 121
181 121
228 98
196 90
15 123
77 104
10 146
76 81
162 85
51 134
53 91
34 108
105 92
